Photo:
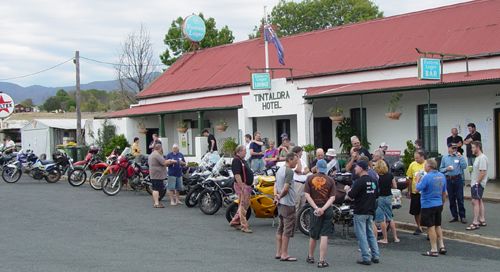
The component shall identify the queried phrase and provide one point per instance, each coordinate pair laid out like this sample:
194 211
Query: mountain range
40 93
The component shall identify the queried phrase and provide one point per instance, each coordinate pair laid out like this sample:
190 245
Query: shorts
175 183
158 185
476 191
321 225
384 209
431 217
415 204
286 216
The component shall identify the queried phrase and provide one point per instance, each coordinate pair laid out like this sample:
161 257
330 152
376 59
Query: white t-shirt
10 143
300 177
480 164
247 146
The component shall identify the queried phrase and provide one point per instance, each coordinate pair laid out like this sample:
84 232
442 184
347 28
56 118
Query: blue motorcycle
27 162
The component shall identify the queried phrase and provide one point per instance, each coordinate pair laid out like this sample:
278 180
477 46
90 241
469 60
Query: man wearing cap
453 166
333 163
319 191
363 192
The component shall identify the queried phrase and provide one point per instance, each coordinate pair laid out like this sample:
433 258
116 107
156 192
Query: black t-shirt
364 152
475 137
210 138
241 167
363 192
455 140
385 184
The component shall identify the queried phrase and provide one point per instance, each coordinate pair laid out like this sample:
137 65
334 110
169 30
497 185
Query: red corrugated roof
205 103
403 83
471 28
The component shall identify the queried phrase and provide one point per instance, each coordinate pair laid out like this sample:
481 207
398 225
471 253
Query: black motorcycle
6 158
217 189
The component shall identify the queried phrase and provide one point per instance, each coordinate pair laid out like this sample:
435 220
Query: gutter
170 112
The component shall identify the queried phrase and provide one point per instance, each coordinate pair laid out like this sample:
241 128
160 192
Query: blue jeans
456 196
258 165
363 226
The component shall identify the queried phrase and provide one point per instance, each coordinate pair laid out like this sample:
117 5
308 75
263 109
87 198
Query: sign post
6 105
429 69
261 81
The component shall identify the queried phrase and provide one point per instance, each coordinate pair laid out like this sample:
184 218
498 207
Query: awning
197 104
401 84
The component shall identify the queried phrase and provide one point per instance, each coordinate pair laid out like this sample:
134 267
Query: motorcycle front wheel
232 209
304 220
192 196
210 201
111 184
53 176
95 180
11 175
77 177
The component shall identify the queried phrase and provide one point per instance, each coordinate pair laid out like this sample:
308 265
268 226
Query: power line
39 72
117 64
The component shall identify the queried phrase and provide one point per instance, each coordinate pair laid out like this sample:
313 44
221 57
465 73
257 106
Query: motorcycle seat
225 182
45 162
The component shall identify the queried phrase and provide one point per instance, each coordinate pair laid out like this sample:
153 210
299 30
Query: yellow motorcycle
261 200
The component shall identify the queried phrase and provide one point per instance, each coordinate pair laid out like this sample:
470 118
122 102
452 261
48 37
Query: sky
36 34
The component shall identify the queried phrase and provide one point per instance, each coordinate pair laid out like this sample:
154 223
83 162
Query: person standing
479 178
362 151
136 150
363 192
471 137
154 142
432 188
455 139
248 141
379 155
284 196
333 163
453 166
271 155
319 191
243 178
212 142
175 162
414 173
284 149
320 155
257 164
384 214
301 171
157 173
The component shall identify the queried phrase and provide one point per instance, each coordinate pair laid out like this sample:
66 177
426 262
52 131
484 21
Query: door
497 142
282 126
185 142
149 138
323 136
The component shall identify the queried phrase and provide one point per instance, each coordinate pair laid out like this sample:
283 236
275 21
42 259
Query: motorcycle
78 175
119 173
27 162
141 180
64 162
95 179
200 174
399 173
217 189
6 158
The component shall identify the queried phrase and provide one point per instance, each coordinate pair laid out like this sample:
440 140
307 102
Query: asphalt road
56 227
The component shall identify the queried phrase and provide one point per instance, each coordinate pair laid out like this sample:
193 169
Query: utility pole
79 139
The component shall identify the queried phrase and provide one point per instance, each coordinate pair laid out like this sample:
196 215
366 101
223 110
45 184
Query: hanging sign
429 69
194 28
261 81
6 105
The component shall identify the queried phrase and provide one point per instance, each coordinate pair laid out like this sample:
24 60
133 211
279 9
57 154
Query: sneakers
417 232
364 262
375 261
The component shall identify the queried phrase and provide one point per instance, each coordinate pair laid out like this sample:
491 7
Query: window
427 127
356 123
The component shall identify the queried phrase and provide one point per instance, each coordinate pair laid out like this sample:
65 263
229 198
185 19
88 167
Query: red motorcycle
78 175
96 179
119 173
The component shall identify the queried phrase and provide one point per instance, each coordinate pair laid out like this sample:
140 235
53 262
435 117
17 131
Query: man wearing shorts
432 188
414 173
175 161
157 173
319 191
284 195
479 177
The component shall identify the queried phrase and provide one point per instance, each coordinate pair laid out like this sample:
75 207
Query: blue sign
429 69
261 81
194 28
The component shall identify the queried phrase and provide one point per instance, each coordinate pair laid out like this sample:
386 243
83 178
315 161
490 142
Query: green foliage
116 141
309 148
182 124
336 111
104 136
344 131
27 102
229 146
61 101
293 17
408 154
176 45
394 102
91 101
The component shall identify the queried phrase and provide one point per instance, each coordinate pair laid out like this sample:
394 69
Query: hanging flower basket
182 126
143 130
337 119
221 128
393 115
182 129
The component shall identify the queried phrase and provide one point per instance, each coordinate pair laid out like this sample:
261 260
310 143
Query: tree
136 62
178 45
61 101
27 102
309 15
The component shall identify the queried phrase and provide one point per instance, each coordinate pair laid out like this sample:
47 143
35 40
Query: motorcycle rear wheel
232 209
111 184
77 177
96 181
304 220
11 175
53 176
210 201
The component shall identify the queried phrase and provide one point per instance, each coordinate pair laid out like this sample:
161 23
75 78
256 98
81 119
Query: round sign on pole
6 105
194 28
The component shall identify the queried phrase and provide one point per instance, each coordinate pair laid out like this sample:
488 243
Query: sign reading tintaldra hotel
271 100
6 105
429 69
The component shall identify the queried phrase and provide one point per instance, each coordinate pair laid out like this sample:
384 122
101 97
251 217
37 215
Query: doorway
149 138
497 142
282 126
323 133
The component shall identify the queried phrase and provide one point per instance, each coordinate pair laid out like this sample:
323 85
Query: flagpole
266 50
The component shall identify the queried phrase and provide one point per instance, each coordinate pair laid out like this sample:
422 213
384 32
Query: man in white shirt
301 172
479 178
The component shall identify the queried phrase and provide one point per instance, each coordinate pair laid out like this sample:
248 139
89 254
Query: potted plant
221 125
229 146
142 128
309 149
393 112
343 132
337 114
182 126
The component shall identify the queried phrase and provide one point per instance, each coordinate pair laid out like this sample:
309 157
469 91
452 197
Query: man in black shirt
362 151
243 179
455 139
472 137
364 192
212 143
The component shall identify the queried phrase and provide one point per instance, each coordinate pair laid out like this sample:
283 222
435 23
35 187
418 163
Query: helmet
398 169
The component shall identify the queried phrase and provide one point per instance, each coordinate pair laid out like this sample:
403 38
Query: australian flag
271 36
